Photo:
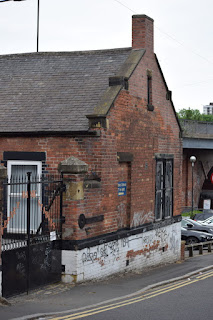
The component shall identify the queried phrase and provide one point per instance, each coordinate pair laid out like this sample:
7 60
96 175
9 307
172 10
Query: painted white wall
136 252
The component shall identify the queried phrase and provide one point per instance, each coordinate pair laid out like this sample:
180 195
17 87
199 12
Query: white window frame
11 163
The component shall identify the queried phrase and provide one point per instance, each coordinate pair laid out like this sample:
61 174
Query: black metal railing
32 210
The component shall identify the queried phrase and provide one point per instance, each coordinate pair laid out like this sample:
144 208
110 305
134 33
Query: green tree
207 117
194 114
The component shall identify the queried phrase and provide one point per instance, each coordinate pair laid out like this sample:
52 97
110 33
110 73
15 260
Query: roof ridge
59 53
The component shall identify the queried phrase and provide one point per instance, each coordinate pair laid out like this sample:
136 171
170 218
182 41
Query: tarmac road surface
60 298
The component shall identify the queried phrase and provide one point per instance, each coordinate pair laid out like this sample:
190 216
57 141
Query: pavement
62 298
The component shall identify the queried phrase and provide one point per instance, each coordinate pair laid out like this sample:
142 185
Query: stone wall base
136 252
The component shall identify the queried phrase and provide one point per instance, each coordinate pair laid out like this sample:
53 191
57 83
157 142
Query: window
164 189
149 91
17 196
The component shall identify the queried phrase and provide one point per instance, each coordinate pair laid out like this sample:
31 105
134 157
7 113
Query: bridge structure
197 141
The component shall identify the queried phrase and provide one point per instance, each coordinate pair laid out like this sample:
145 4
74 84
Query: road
188 299
60 299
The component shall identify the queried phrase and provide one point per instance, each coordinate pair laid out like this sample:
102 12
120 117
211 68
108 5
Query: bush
190 213
194 114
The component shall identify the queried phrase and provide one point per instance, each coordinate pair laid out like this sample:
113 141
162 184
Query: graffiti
20 268
125 242
139 250
89 256
162 234
101 253
21 255
148 243
140 218
147 239
113 248
46 265
144 251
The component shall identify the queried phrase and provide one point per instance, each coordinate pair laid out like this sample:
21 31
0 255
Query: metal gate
31 233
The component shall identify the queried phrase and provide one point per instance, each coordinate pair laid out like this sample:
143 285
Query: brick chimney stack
143 32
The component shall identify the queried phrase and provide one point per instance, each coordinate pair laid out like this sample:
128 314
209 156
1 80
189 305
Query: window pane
17 199
159 176
18 215
168 203
158 205
168 175
164 189
20 171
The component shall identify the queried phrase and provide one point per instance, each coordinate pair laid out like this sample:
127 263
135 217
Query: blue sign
122 188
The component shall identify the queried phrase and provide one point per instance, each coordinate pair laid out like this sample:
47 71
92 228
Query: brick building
106 120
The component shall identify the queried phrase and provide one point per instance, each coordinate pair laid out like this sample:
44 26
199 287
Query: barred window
164 189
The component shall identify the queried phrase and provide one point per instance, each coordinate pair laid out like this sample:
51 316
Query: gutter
88 133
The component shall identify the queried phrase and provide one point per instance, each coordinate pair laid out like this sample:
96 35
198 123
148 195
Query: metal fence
31 232
32 210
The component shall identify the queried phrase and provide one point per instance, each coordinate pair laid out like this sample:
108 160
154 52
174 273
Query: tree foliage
194 114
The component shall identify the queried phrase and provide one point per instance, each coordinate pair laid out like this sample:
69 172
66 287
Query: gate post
73 171
28 229
3 176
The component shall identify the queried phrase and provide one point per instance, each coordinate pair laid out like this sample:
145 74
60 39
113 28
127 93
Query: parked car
193 225
203 216
192 236
208 222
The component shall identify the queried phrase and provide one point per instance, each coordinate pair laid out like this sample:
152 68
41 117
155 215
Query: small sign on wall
207 204
122 188
52 235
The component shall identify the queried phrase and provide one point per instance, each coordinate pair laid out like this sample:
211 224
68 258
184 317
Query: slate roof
53 92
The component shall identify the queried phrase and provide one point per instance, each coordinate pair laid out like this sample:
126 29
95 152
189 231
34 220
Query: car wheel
191 240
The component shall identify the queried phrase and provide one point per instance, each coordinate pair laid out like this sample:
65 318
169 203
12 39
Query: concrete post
183 243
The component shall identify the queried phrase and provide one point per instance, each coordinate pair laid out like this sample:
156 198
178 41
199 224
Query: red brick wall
58 149
145 133
142 32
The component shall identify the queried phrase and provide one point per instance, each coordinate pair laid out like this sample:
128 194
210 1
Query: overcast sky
183 36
